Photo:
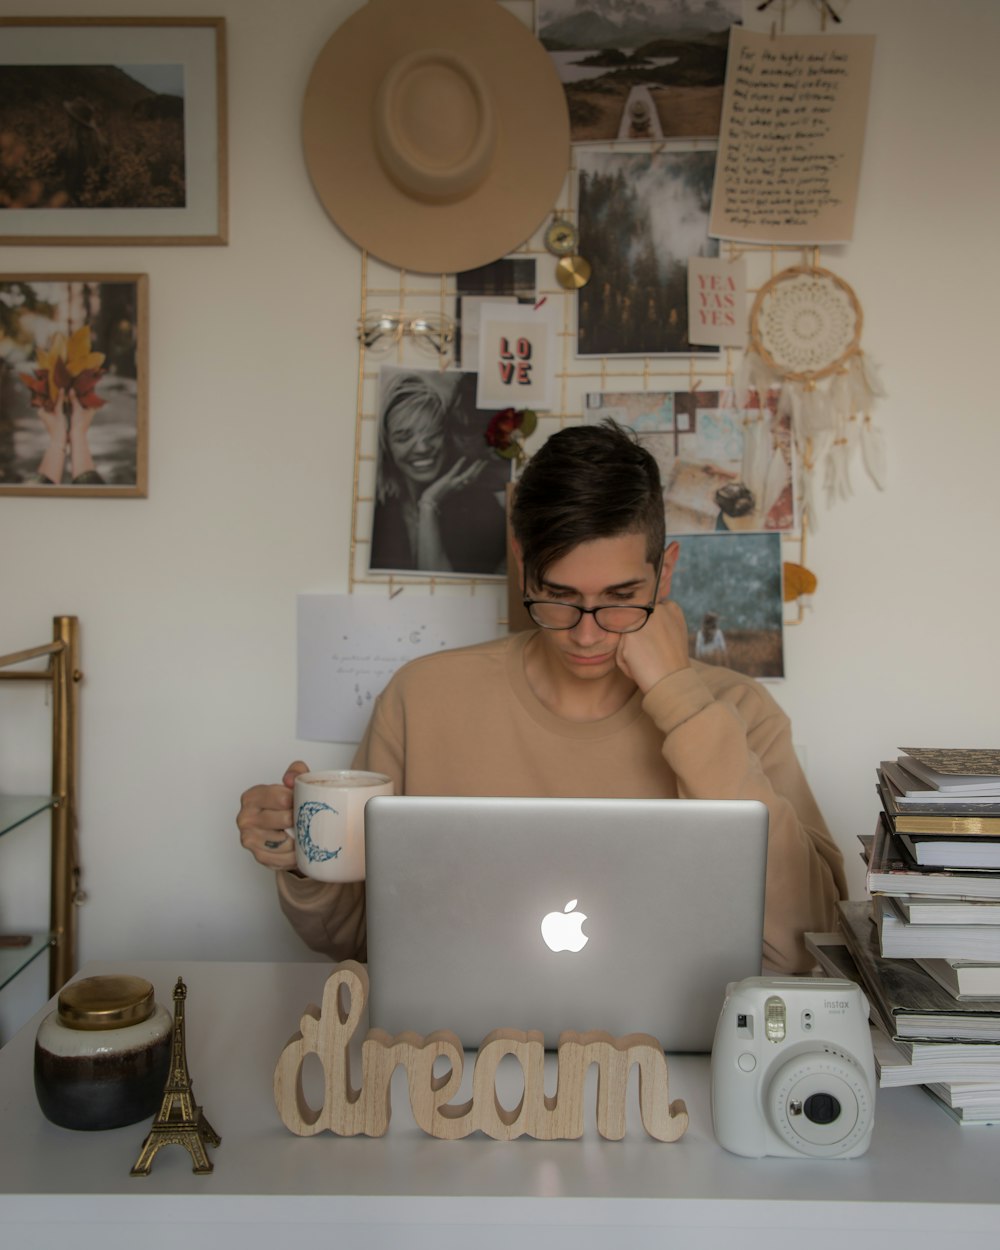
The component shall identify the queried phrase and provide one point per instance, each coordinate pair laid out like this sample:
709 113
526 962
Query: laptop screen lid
627 915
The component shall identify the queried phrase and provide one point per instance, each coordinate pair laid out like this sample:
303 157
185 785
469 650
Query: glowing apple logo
563 930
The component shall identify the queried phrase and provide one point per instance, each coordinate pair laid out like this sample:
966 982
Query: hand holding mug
265 818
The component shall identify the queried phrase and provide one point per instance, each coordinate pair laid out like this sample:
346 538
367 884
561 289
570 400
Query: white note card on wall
350 645
517 355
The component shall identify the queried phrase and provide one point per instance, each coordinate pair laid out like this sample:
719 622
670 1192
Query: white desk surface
925 1177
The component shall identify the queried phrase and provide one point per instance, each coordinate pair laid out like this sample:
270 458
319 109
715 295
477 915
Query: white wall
187 599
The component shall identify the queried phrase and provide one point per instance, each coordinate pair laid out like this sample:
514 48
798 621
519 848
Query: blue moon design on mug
313 853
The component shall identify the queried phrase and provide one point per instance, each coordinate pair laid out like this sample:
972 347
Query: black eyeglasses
612 618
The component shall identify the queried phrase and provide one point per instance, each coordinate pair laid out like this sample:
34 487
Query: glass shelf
14 959
15 809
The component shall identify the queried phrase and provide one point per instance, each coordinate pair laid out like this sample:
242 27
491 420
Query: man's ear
670 557
517 615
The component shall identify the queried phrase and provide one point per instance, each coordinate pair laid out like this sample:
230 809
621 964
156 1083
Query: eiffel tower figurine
179 1121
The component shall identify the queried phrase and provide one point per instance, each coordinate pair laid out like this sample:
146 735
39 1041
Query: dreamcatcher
805 335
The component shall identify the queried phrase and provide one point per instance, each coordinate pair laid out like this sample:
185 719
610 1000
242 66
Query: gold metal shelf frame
63 674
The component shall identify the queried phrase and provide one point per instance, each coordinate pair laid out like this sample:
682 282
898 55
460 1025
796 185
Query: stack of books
945 819
926 945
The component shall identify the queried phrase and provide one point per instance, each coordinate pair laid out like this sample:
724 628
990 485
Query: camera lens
819 1102
821 1108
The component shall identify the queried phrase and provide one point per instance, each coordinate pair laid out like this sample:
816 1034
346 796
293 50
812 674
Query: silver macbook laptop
627 915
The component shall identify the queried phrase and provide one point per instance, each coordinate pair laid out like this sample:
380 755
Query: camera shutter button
746 1062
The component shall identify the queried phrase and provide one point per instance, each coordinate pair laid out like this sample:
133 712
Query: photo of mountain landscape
638 70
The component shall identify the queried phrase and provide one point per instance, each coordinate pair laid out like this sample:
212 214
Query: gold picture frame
113 131
74 385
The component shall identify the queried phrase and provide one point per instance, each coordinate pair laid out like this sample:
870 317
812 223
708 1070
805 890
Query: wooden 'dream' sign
349 1111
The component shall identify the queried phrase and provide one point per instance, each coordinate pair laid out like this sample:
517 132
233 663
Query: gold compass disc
573 272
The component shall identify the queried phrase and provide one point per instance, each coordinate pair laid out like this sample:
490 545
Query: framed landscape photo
74 384
113 131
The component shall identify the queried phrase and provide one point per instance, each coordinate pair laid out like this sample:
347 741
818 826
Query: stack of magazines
926 944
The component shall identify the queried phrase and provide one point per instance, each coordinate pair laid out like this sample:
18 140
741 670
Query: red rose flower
501 428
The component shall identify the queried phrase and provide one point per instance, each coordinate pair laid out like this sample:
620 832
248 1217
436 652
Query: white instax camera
792 1069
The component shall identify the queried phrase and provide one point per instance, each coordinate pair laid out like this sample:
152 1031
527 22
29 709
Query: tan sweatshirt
465 722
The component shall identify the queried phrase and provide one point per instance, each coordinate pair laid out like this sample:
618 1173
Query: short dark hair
586 482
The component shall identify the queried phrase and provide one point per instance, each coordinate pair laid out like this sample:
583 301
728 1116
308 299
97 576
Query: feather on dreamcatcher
805 335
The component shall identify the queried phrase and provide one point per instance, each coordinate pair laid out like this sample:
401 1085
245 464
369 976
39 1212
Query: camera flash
774 1019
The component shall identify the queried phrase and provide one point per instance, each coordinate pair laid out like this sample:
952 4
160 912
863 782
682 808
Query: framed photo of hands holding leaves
73 384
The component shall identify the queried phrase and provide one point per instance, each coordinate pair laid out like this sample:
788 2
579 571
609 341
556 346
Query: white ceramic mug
329 809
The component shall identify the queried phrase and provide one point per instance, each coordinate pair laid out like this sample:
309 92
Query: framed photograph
113 131
73 384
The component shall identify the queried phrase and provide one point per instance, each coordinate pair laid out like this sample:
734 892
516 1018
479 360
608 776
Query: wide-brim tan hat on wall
436 132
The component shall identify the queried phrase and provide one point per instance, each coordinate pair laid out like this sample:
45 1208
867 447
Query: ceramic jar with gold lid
101 1058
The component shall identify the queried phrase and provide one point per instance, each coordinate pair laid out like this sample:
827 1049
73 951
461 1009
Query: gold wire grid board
424 305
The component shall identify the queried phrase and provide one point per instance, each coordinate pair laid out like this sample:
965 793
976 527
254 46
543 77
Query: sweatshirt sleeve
329 917
739 746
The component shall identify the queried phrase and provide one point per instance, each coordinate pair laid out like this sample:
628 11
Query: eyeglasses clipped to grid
431 332
612 618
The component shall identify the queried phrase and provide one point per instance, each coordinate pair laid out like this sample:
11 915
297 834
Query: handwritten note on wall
350 645
793 123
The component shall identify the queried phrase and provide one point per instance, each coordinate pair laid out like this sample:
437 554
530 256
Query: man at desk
600 701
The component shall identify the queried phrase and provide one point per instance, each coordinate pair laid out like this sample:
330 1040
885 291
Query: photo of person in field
92 136
729 586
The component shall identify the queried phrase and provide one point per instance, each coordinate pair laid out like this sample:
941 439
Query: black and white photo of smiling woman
438 490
